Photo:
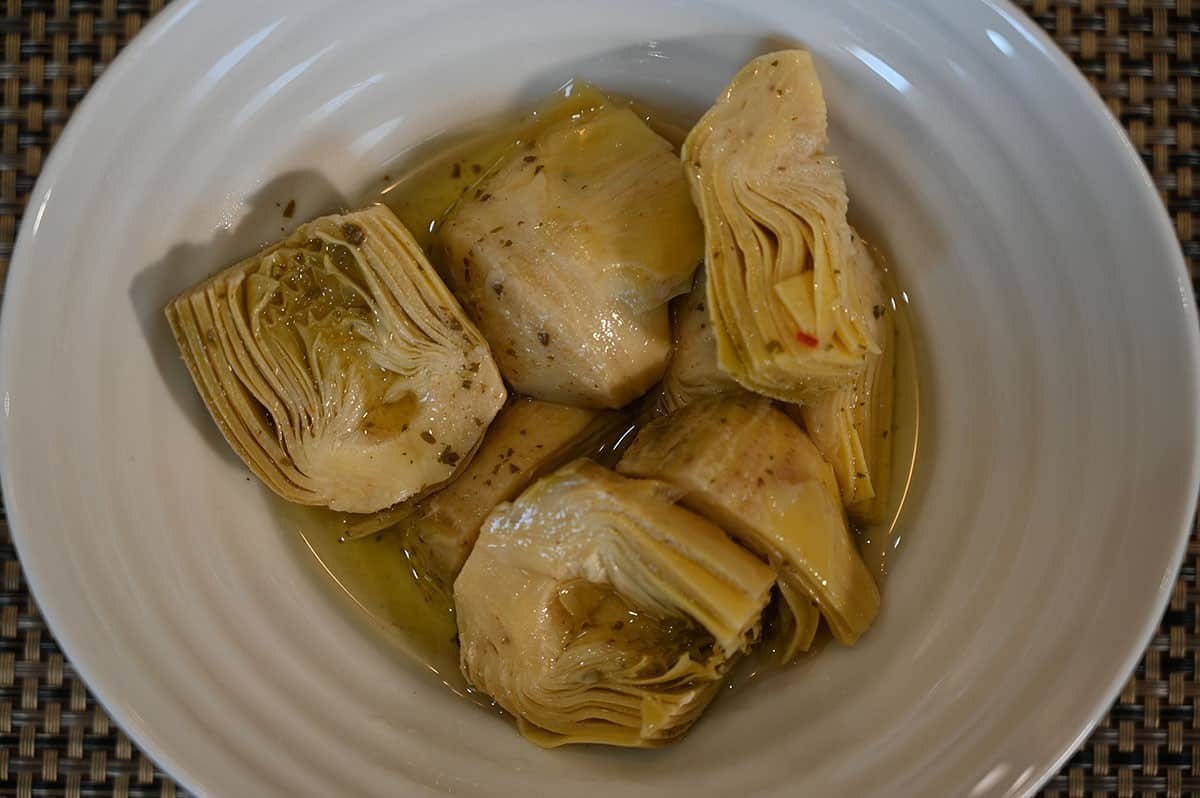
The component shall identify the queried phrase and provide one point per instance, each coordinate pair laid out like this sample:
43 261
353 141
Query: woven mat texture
55 740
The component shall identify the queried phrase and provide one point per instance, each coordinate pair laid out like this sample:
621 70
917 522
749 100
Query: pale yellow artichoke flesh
693 371
790 319
851 427
750 469
339 366
528 439
596 610
567 252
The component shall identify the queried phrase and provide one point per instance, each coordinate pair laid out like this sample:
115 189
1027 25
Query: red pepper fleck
807 339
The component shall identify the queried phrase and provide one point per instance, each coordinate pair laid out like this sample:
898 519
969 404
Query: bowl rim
1118 138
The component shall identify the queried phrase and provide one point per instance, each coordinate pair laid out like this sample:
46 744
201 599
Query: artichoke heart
790 317
850 427
339 366
567 252
748 468
528 439
596 610
693 371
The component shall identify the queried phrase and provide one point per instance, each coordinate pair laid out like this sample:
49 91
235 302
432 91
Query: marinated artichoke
528 439
596 610
748 468
851 427
790 318
693 371
339 366
567 252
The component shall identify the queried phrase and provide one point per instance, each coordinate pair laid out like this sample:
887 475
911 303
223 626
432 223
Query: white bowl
1059 363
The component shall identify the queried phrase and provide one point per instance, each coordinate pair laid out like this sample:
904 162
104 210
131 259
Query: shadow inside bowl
186 264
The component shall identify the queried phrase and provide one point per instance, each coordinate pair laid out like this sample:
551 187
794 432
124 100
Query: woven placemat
55 740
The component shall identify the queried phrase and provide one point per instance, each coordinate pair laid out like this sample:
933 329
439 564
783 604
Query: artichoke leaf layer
528 439
567 252
851 427
790 318
693 371
751 470
339 366
595 609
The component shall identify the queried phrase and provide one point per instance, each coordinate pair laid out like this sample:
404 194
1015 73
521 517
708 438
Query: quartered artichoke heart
339 366
750 469
567 252
528 439
596 610
851 427
791 319
693 371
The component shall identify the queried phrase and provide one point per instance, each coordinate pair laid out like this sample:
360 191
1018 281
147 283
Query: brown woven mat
55 740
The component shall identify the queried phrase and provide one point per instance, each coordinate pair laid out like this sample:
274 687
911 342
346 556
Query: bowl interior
1056 345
